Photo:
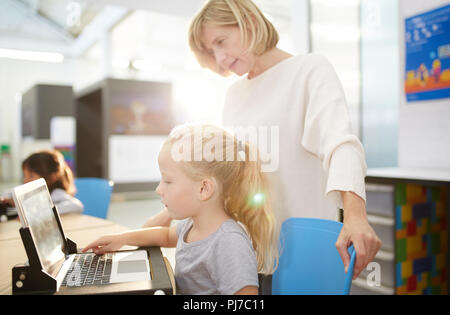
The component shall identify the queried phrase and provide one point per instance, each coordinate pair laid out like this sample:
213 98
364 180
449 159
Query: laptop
82 273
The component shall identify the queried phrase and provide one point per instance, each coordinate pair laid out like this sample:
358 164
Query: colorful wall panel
421 239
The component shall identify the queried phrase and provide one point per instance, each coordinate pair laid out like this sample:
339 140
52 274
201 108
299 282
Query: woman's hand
105 244
356 231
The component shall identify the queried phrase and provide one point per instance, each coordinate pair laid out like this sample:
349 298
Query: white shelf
386 221
439 175
362 283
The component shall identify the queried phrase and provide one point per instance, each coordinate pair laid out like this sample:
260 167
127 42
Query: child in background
228 231
50 165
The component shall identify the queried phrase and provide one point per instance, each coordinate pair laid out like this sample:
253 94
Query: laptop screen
37 208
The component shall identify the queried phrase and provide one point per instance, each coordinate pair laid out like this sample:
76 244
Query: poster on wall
427 66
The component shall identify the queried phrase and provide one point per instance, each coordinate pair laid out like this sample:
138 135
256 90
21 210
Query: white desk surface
438 175
82 229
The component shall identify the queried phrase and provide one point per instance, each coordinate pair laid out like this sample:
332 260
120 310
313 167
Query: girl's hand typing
106 244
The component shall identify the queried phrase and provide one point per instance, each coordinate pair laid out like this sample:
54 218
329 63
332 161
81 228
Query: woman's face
224 44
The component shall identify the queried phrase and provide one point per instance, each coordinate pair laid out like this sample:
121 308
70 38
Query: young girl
228 231
50 165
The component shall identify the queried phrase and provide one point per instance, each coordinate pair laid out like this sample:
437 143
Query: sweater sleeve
328 135
65 203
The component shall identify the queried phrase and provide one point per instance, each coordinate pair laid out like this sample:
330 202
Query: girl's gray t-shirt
223 263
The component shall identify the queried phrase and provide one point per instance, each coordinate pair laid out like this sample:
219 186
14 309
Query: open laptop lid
35 208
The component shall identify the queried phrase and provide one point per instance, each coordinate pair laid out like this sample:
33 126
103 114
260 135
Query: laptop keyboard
89 269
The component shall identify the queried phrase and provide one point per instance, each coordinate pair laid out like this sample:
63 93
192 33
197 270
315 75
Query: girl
321 163
228 232
50 165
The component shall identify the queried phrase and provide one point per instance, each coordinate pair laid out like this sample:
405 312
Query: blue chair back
95 194
309 261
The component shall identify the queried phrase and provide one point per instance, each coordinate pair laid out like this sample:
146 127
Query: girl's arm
156 236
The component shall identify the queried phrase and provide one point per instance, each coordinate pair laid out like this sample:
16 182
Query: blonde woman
321 163
210 183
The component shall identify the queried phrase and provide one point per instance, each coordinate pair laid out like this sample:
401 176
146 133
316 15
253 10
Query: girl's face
178 192
29 175
224 44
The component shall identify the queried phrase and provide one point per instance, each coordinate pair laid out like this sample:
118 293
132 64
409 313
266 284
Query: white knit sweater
318 154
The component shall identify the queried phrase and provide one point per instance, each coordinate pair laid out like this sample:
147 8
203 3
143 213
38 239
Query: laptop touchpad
127 266
130 266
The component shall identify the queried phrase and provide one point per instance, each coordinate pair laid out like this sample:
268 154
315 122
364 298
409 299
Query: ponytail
249 202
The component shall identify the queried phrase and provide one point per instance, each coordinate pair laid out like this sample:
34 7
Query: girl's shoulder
232 226
233 230
232 239
60 194
183 226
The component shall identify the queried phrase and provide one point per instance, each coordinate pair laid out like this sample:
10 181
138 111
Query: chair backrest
95 194
309 261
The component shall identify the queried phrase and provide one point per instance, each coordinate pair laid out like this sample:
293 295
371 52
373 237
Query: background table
82 229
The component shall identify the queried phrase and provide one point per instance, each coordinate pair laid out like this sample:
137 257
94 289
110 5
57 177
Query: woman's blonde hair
244 189
241 13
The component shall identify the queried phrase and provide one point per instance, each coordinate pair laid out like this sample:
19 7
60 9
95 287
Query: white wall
379 81
16 77
424 126
198 94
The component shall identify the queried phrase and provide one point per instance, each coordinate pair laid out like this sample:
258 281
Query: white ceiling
72 27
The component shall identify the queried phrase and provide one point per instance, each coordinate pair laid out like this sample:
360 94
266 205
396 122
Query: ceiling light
31 55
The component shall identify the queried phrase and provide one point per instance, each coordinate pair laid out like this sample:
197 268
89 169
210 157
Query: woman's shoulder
311 60
310 57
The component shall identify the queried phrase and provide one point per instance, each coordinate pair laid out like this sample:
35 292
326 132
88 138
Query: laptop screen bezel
23 192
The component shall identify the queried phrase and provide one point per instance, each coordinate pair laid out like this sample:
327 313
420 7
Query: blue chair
95 194
309 261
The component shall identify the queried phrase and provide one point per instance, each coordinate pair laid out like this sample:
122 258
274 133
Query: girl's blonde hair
241 13
241 184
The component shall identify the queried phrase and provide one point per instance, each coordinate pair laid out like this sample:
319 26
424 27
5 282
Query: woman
321 164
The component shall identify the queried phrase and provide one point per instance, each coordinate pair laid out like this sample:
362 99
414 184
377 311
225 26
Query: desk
82 229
